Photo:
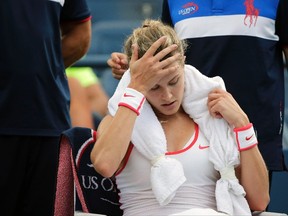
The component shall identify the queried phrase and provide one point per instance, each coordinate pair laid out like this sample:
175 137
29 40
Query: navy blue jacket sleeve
282 22
75 10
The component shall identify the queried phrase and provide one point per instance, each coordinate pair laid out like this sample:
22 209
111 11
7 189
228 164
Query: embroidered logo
128 95
188 9
251 13
202 147
249 137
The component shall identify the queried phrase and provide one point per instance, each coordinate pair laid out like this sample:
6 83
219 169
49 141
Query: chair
96 195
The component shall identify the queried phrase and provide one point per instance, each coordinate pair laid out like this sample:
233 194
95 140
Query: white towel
166 173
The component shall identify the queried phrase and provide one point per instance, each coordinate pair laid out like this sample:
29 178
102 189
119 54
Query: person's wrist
138 88
245 137
133 100
241 122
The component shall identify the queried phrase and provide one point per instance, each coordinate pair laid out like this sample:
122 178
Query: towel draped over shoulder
167 174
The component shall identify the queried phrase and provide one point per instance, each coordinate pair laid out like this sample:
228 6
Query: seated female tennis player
176 141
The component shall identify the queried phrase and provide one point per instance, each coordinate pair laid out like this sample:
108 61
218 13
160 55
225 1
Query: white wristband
245 137
133 100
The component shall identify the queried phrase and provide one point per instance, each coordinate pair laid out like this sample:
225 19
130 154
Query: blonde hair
148 33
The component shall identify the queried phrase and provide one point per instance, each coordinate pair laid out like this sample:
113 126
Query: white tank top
133 181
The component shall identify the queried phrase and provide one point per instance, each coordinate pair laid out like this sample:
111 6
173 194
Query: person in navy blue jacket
39 39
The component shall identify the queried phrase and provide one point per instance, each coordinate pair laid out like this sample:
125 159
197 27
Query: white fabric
246 137
166 174
198 191
200 211
223 151
133 100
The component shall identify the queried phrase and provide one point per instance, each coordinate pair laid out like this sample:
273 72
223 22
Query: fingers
217 100
159 56
118 63
117 74
151 51
156 61
134 56
221 104
148 70
167 62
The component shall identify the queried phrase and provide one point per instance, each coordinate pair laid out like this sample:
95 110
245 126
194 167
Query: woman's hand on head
147 71
221 104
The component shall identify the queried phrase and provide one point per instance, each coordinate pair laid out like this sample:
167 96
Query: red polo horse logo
251 12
